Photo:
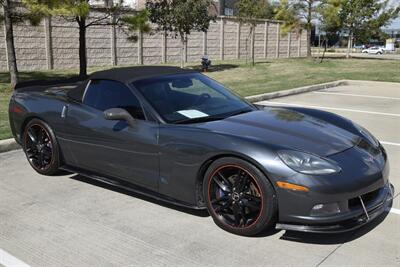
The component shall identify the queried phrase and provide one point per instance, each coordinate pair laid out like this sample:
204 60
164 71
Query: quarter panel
184 150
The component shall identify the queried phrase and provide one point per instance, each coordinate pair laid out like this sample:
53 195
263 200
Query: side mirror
119 114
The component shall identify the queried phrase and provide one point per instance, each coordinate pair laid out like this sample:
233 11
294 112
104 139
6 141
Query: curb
295 91
8 145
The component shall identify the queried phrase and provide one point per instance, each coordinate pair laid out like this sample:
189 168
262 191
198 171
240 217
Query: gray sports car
179 136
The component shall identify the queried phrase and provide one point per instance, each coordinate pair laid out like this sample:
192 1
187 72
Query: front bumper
372 210
364 174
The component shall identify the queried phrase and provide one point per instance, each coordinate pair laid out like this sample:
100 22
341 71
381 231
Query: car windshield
190 98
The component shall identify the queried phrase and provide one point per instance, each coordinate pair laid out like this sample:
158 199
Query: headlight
367 135
308 163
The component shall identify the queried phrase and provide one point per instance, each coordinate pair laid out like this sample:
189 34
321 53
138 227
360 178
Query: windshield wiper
213 118
200 119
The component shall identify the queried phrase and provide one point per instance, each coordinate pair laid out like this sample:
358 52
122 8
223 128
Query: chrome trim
86 88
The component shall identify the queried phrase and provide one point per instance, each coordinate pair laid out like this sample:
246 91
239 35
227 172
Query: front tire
41 147
239 197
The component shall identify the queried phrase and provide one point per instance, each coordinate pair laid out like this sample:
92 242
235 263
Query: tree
308 12
286 12
362 18
180 17
11 58
298 14
78 11
10 16
138 23
248 13
330 23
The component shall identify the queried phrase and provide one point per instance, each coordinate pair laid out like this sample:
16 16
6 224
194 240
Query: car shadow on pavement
199 213
333 238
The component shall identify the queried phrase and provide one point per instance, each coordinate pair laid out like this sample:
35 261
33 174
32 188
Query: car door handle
64 112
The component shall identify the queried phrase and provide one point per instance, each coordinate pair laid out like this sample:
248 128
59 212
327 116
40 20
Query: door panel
113 147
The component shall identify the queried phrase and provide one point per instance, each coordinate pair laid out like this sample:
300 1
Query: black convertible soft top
128 74
125 74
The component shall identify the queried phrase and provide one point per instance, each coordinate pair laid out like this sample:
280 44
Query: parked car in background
373 50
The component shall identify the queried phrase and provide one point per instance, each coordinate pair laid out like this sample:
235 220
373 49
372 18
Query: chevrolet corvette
178 136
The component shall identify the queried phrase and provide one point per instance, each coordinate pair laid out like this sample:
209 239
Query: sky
395 24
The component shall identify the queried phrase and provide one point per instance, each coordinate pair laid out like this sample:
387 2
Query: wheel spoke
219 200
242 181
41 136
253 198
226 181
252 205
221 185
223 206
237 214
32 135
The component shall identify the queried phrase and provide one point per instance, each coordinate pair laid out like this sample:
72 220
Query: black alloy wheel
40 147
239 197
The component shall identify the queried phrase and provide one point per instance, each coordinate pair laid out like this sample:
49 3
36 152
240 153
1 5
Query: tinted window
190 98
103 95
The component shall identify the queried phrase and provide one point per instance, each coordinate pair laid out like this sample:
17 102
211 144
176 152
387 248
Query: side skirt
130 187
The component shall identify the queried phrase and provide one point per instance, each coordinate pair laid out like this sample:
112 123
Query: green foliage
73 8
180 16
287 12
330 21
248 11
361 18
137 23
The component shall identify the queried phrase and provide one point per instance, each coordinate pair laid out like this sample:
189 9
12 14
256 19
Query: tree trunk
309 43
183 51
309 28
11 58
349 45
82 47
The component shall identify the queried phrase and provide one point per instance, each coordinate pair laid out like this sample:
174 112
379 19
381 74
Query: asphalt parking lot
69 220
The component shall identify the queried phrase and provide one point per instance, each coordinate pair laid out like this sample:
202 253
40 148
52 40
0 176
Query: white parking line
331 108
9 260
389 143
395 211
369 96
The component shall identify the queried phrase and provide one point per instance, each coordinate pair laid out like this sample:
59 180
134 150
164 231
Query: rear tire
41 147
239 197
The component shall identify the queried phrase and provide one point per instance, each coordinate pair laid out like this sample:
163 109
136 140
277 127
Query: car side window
105 94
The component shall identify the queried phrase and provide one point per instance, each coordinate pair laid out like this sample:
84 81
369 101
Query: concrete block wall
55 44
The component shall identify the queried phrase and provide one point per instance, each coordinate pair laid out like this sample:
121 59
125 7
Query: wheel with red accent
41 147
239 197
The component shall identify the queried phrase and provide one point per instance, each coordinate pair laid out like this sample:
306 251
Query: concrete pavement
69 220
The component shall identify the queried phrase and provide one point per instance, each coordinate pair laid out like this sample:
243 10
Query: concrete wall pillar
278 39
164 47
49 43
266 39
222 39
140 48
204 44
299 44
238 40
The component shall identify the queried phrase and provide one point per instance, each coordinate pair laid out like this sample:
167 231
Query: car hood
286 128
